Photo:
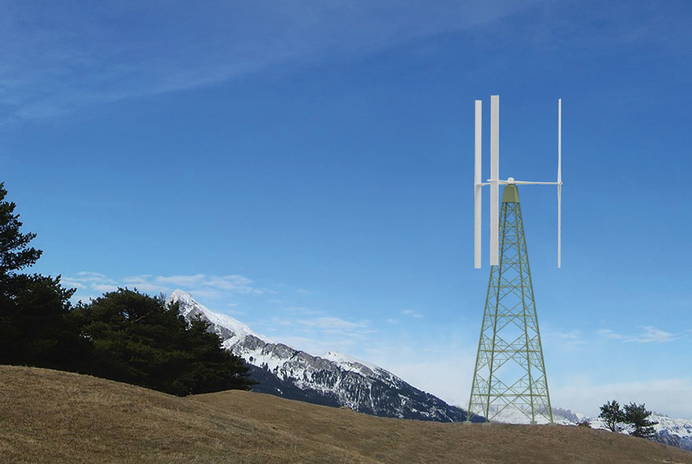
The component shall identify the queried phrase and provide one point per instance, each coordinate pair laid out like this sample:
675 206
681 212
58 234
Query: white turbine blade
477 185
559 183
494 178
559 226
559 140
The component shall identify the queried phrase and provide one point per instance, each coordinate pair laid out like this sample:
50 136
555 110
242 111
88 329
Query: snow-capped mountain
332 379
670 431
675 432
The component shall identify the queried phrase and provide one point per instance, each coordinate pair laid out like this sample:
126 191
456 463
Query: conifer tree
15 252
612 415
138 339
637 416
33 327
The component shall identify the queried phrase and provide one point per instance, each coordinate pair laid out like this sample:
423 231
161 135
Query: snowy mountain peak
185 299
225 326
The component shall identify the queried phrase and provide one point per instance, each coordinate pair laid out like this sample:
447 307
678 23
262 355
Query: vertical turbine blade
559 226
494 177
559 183
477 187
559 140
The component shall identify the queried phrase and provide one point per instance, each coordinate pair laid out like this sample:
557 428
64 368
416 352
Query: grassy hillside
56 417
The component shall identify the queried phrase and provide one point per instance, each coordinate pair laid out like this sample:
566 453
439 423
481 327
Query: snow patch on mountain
349 362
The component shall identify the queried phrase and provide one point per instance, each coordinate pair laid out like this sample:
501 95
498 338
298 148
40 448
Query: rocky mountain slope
332 379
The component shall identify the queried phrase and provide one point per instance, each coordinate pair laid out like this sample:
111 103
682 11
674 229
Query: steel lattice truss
509 378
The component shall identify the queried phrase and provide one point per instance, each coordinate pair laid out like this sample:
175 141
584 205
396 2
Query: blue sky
306 167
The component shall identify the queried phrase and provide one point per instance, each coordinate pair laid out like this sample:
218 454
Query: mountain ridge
333 379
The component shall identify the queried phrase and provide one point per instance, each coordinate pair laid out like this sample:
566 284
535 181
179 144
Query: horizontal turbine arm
520 182
528 182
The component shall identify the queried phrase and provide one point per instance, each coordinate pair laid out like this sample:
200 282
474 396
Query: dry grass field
55 417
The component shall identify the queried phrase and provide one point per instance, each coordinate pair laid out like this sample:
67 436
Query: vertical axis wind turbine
509 379
494 181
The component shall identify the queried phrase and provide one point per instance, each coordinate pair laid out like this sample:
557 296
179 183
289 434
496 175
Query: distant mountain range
670 431
335 379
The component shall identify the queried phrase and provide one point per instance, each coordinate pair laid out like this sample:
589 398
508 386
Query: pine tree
15 252
612 415
138 339
33 327
637 416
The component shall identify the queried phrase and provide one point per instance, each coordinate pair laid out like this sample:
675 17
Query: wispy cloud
299 310
56 59
572 339
412 313
90 284
331 324
228 283
649 334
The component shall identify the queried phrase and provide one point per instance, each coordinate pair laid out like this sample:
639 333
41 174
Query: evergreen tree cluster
123 335
633 414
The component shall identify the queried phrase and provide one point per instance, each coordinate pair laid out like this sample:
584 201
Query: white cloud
652 334
104 288
609 333
144 284
649 334
573 339
331 323
200 285
88 283
412 313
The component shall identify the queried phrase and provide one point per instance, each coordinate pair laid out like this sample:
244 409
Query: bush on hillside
584 423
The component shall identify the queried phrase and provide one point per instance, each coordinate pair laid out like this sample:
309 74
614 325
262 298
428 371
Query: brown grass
57 417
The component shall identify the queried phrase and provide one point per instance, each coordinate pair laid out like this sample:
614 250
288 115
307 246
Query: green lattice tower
509 379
